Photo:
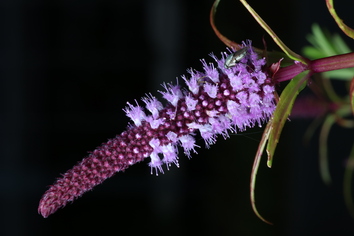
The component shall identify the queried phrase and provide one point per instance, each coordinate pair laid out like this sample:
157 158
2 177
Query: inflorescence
230 96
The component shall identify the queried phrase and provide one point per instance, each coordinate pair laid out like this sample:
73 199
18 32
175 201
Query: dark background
69 67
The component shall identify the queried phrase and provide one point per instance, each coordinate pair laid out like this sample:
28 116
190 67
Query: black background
69 67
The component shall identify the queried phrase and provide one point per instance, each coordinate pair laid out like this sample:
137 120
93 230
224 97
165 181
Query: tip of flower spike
46 209
44 212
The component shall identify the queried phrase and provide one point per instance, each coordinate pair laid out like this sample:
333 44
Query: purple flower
220 100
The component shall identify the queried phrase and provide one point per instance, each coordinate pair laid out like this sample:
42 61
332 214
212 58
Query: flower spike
220 100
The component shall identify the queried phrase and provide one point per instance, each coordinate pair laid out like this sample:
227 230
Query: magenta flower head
234 93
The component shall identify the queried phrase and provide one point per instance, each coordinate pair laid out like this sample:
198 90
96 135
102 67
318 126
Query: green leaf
256 162
283 110
273 130
272 34
347 30
272 57
225 40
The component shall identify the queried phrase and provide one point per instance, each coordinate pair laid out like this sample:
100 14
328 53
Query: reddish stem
316 66
289 72
332 63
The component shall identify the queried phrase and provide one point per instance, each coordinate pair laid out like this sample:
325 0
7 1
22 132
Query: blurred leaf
351 94
339 44
347 183
323 150
325 44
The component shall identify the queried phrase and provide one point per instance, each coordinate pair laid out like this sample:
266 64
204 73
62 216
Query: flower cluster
223 98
